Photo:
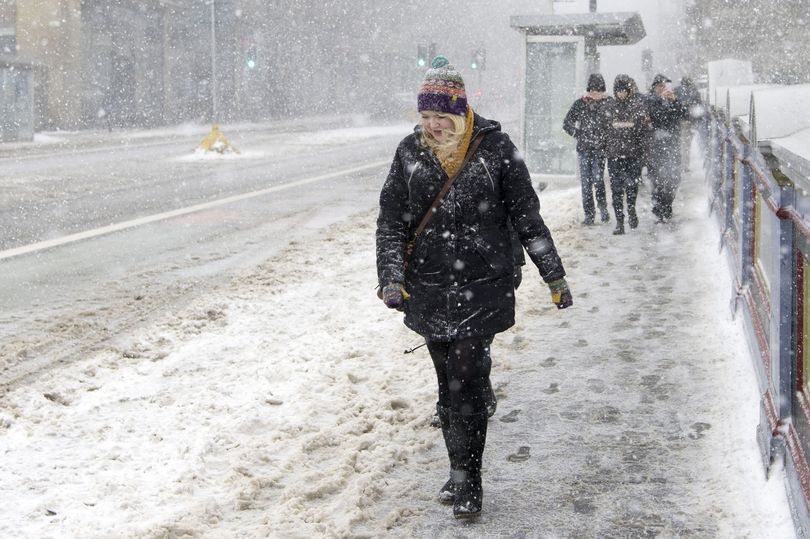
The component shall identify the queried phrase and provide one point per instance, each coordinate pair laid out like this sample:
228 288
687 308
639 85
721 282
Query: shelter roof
620 28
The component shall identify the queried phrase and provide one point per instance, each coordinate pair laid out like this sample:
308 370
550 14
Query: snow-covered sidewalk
283 406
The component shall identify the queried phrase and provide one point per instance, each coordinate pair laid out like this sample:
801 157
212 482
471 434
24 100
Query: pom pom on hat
439 61
442 89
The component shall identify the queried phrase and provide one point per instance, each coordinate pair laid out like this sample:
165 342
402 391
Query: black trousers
625 176
592 178
664 171
462 371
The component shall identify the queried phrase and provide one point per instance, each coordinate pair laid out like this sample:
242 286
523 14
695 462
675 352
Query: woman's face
437 124
621 95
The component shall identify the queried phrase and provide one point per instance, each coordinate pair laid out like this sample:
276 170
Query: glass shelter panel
550 91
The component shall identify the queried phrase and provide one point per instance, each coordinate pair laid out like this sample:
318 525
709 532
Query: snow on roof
780 111
793 153
620 28
728 72
737 99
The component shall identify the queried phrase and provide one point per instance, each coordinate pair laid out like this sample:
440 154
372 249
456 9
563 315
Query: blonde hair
444 150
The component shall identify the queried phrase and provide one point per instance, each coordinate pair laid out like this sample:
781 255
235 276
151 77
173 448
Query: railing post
747 218
711 146
787 315
728 185
717 154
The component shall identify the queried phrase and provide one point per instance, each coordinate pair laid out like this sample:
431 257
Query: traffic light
647 60
421 56
250 57
478 59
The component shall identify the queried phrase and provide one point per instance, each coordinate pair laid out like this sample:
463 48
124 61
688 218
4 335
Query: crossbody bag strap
437 202
446 187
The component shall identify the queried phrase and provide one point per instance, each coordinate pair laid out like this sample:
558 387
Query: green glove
560 293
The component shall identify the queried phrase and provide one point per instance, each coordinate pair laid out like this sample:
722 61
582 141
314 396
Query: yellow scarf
452 162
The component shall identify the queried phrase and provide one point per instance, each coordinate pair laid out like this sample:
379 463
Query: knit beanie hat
443 89
595 83
623 83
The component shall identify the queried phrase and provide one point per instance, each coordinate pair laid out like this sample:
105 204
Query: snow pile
781 111
282 402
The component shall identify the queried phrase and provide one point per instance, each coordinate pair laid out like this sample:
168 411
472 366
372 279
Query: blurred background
156 62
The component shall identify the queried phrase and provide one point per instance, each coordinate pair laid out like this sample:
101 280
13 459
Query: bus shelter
558 53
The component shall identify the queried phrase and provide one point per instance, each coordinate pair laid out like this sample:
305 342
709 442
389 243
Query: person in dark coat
627 129
584 122
688 94
457 288
664 163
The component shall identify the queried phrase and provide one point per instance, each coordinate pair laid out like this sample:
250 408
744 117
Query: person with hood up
627 128
688 94
445 258
664 163
583 122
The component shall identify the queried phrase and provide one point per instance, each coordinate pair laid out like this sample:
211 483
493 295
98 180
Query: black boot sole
463 516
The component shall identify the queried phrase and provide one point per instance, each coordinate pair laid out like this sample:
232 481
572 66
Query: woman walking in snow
445 258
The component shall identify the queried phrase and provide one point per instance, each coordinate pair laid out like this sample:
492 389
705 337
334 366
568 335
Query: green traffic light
474 65
421 62
251 63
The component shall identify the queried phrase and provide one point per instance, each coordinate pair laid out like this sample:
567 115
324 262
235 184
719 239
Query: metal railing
767 242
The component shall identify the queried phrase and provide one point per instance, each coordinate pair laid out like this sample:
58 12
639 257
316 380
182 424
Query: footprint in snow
699 428
523 454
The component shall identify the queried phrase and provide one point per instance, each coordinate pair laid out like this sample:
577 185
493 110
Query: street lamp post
213 63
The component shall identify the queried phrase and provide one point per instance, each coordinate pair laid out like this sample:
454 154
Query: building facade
154 62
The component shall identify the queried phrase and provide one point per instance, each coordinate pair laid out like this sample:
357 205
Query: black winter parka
460 275
666 114
585 122
628 127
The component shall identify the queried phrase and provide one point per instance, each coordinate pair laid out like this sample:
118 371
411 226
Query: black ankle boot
448 490
447 494
468 497
471 433
619 228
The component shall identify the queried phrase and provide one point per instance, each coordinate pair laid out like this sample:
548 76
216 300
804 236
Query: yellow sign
215 141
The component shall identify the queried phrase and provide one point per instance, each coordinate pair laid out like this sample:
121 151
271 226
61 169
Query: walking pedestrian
664 165
584 122
445 258
106 110
688 94
627 128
